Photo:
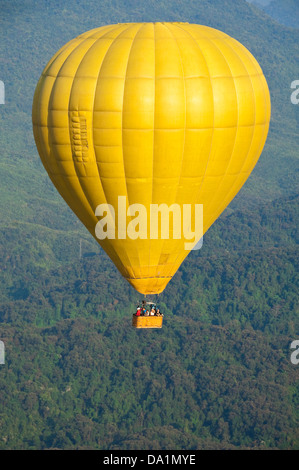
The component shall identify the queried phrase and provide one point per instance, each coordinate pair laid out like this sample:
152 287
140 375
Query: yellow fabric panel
158 113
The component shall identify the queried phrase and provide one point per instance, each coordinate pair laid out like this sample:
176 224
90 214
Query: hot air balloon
150 114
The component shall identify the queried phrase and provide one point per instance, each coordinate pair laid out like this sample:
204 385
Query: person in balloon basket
138 312
145 312
143 309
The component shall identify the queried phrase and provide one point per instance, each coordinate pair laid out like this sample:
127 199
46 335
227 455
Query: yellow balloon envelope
150 114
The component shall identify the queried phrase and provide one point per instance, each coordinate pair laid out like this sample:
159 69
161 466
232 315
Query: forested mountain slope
285 12
218 374
76 375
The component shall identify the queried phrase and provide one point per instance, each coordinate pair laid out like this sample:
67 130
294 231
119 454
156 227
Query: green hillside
285 12
76 374
218 375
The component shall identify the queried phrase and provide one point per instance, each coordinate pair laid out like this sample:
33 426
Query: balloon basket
153 321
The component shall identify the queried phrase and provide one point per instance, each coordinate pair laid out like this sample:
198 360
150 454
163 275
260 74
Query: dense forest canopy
218 374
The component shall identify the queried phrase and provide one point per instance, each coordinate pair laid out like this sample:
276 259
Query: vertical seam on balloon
50 98
265 100
92 129
248 172
252 139
183 152
74 77
151 200
87 51
227 198
44 161
44 150
52 91
79 40
213 128
46 165
212 137
69 112
122 118
96 85
70 191
237 124
50 94
79 178
55 57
